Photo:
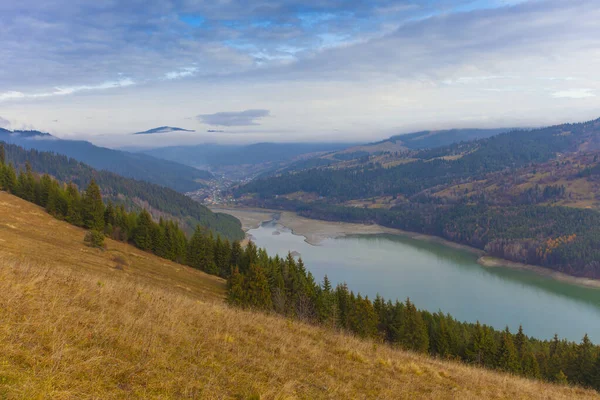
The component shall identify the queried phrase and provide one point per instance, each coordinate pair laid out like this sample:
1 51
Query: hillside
496 194
76 327
131 165
160 201
242 161
396 150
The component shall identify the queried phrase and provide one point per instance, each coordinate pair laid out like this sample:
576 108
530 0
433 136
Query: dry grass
85 333
27 232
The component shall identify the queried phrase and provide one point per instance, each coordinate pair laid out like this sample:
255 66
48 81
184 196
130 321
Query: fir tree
93 208
507 354
414 334
256 288
142 236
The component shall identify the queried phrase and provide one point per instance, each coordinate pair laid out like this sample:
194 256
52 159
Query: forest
430 169
128 192
286 287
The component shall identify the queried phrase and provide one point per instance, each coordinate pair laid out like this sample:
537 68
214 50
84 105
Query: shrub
94 238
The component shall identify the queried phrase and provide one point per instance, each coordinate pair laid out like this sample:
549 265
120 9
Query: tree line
133 194
285 287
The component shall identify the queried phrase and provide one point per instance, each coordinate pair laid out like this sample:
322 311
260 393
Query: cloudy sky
246 71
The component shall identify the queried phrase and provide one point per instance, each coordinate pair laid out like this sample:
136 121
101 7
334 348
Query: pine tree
93 208
414 335
142 236
443 340
507 354
2 155
10 179
256 288
520 343
236 294
75 206
584 363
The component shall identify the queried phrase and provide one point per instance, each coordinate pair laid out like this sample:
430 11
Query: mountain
160 201
132 165
123 323
163 129
243 161
433 139
508 195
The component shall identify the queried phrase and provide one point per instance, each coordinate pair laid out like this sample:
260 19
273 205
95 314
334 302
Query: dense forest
139 166
284 286
129 192
508 150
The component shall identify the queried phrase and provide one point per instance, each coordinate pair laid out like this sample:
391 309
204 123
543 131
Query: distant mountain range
163 129
139 166
255 158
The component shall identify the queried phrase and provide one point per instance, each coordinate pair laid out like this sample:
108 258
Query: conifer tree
10 179
256 288
236 294
75 206
2 155
93 208
584 362
142 236
414 335
507 354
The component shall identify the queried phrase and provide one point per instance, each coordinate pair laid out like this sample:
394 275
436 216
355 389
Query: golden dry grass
86 333
27 232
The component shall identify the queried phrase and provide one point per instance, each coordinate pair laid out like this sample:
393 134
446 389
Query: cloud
4 123
67 90
181 73
574 94
240 118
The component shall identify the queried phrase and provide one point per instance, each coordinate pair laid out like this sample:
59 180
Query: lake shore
315 231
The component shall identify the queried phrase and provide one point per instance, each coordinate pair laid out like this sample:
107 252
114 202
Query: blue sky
294 70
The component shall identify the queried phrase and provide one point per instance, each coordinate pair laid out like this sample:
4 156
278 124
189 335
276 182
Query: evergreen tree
236 295
2 155
75 206
142 236
256 288
93 208
10 179
414 334
507 354
584 363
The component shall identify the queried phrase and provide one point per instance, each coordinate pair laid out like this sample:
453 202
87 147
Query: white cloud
574 94
11 95
181 73
66 90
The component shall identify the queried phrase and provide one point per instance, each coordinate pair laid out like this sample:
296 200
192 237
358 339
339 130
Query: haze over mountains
132 165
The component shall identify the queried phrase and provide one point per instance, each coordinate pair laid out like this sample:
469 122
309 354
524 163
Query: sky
238 71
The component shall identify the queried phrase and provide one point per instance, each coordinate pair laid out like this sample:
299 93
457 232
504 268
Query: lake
437 277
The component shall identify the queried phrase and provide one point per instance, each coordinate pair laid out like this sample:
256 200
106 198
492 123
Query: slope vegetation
76 325
160 201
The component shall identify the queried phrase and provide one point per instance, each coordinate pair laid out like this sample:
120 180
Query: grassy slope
73 326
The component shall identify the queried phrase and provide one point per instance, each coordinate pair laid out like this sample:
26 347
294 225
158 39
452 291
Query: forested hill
160 201
432 167
435 192
171 174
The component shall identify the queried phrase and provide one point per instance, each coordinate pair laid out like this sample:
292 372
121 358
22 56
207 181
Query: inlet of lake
437 277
